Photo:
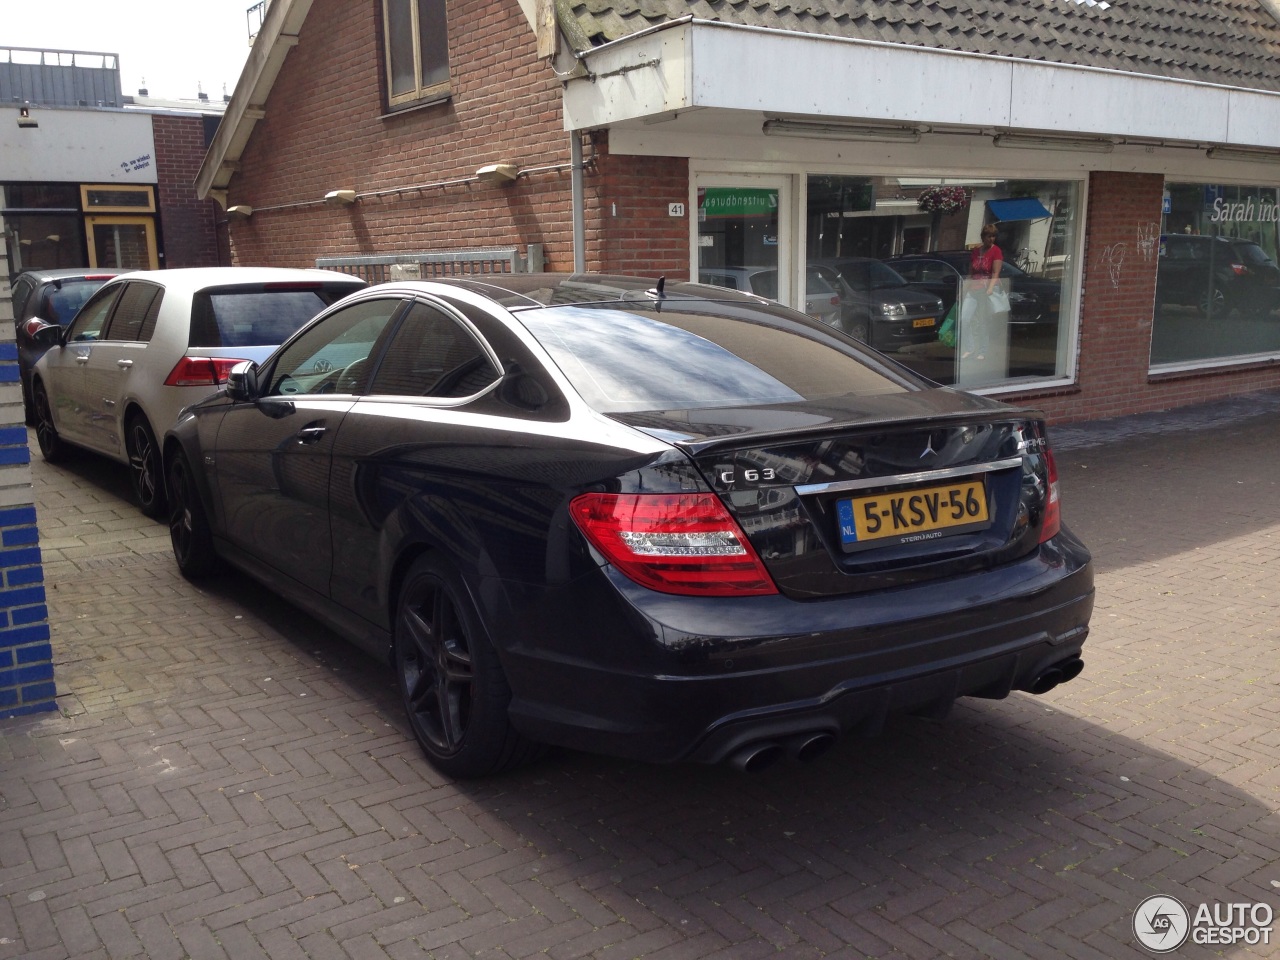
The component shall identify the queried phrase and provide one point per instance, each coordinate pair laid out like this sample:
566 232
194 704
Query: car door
273 455
111 365
64 370
408 436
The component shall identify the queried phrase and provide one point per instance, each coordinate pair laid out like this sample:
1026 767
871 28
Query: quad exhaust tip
762 754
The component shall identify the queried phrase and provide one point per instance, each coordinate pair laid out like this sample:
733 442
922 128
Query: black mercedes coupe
662 521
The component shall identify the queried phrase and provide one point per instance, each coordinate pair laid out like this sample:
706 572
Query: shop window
1217 282
899 253
417 51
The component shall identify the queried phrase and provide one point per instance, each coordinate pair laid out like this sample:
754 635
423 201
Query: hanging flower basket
942 199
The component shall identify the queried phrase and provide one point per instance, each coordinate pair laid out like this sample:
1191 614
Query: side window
21 293
333 356
433 355
92 318
131 312
417 50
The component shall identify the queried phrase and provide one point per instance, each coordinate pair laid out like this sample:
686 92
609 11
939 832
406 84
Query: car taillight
1053 506
200 371
1239 269
685 543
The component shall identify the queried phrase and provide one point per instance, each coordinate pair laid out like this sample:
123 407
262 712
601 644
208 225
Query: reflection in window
417 49
626 361
902 248
1217 282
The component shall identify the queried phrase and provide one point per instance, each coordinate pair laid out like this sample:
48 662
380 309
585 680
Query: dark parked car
677 524
1032 300
53 296
877 306
1217 275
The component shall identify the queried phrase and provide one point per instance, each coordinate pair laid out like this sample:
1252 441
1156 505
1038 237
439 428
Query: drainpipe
579 214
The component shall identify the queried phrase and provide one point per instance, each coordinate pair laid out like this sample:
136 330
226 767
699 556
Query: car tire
145 470
52 447
452 685
189 531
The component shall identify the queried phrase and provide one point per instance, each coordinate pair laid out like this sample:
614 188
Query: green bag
947 332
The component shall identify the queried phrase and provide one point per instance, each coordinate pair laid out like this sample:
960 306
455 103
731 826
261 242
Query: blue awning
1019 208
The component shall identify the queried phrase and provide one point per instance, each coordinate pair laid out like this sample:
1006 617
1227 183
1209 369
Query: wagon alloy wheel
188 525
52 447
453 688
144 467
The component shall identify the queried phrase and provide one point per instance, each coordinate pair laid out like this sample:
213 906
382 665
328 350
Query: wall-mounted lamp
241 211
1066 144
498 173
1242 153
818 130
340 198
25 119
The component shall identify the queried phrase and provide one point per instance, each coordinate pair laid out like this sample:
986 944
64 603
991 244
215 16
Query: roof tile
1234 42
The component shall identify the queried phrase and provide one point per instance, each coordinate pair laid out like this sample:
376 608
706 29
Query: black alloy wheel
189 524
52 447
144 466
452 685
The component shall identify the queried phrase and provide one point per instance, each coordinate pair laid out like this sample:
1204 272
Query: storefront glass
1217 282
899 253
740 235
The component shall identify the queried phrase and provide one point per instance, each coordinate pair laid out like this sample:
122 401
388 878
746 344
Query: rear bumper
768 668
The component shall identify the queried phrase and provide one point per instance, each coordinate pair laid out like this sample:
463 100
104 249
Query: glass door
122 243
743 236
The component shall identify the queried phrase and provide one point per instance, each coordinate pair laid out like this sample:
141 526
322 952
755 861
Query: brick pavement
226 779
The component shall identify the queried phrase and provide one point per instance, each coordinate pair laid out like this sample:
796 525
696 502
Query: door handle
82 358
310 434
124 364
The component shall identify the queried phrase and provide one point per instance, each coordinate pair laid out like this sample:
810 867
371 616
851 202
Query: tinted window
632 360
332 357
1251 253
92 318
22 288
61 302
258 316
131 313
432 355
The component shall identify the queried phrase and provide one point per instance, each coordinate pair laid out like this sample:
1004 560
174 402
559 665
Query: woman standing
985 261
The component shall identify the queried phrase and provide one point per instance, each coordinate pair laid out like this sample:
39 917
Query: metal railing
59 78
440 263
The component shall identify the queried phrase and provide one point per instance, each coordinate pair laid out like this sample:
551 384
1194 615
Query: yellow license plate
910 516
924 322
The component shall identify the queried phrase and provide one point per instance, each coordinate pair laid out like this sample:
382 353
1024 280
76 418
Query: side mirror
242 382
43 333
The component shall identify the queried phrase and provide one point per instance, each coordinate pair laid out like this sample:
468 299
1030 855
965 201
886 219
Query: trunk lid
851 494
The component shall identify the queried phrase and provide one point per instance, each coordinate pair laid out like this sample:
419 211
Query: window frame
420 94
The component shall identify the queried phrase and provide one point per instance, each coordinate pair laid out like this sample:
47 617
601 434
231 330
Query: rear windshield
258 316
60 305
623 361
1251 253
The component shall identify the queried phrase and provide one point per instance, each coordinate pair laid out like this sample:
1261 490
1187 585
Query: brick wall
188 225
1116 309
26 656
325 130
629 229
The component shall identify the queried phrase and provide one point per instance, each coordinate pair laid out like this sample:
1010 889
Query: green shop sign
736 202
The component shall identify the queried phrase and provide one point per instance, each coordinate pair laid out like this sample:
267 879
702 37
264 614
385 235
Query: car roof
64 273
199 278
531 290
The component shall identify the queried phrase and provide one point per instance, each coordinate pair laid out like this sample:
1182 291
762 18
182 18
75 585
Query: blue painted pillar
26 655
